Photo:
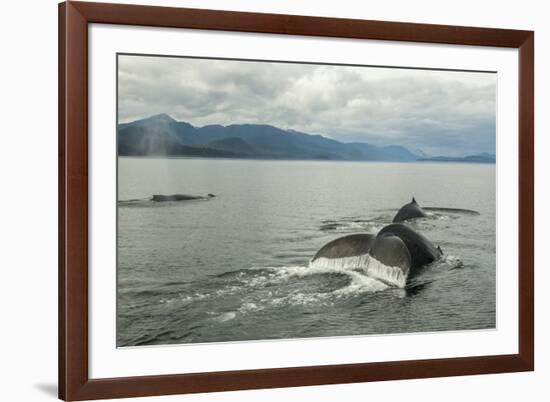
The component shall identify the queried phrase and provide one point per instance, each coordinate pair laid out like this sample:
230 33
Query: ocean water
236 267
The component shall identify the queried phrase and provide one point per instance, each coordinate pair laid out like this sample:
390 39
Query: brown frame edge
74 382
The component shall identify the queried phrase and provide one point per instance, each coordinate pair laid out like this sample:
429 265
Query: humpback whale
179 197
409 211
393 255
422 250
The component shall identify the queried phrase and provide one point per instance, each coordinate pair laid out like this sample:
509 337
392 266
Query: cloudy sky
437 112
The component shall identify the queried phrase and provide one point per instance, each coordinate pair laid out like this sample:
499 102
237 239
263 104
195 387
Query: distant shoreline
423 161
468 159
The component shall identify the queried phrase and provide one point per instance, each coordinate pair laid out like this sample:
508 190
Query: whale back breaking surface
179 197
409 211
422 251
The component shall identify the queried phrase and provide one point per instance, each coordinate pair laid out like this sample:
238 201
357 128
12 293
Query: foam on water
300 299
452 210
451 262
249 306
347 226
185 298
225 316
365 274
361 284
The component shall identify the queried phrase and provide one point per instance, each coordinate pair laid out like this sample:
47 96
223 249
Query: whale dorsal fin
413 201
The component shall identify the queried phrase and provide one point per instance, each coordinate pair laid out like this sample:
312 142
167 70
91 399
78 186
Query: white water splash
373 268
347 226
365 273
185 298
451 262
225 316
361 284
300 299
249 306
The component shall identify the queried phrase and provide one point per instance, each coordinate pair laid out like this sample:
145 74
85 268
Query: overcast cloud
437 112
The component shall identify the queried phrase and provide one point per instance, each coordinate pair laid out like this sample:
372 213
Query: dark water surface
235 267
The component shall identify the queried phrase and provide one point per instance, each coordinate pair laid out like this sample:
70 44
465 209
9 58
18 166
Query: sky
447 113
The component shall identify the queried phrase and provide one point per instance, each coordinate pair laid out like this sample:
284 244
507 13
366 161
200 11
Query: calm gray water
235 267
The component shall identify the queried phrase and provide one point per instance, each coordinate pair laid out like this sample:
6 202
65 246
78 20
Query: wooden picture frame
74 381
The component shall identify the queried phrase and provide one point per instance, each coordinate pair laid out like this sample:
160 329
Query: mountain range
161 135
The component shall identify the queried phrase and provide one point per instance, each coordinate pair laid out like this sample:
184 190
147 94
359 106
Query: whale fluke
392 252
393 255
385 258
409 211
421 249
347 246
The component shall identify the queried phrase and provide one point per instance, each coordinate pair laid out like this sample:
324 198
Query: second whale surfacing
409 211
392 256
179 197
